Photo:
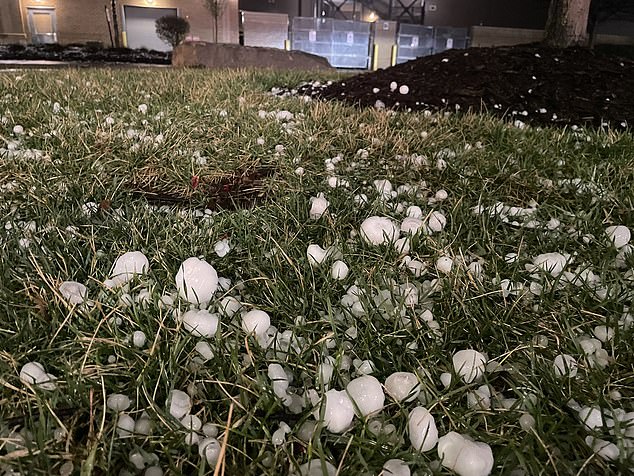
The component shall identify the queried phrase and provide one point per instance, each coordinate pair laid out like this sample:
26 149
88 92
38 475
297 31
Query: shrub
172 30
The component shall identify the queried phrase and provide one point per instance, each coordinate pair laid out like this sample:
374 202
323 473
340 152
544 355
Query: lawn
198 275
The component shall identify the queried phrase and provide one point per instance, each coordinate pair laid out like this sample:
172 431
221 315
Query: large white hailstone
402 386
118 402
552 263
436 222
316 255
603 448
33 373
414 212
591 417
126 267
200 323
279 379
411 225
318 206
444 264
565 366
315 467
73 291
256 321
469 364
396 467
196 281
404 89
229 306
464 456
125 425
367 394
378 230
384 187
619 235
422 430
209 448
192 422
179 404
338 411
204 350
339 270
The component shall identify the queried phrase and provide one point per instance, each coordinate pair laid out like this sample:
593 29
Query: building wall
292 8
85 20
500 13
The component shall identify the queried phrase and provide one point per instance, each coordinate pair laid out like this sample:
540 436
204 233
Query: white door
140 27
42 25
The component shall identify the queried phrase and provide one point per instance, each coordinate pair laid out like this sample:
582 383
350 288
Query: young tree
216 8
172 30
567 23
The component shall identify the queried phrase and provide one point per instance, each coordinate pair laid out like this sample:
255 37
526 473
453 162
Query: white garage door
140 27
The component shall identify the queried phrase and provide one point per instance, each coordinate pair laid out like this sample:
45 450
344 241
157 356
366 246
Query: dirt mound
531 84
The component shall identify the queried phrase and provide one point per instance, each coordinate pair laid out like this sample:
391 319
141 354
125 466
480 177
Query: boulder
222 55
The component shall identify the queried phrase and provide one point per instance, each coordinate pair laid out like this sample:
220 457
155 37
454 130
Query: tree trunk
567 23
115 24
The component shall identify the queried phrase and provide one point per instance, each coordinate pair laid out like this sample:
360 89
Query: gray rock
222 55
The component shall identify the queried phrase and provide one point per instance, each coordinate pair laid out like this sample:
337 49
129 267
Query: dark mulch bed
83 54
528 83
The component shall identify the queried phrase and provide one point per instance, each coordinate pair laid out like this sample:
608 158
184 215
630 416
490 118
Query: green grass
85 159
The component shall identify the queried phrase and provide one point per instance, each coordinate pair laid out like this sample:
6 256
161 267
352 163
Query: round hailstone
414 212
200 323
153 471
603 448
552 263
338 411
209 448
125 425
118 402
229 306
73 291
404 89
465 456
339 270
192 422
378 230
33 373
367 394
591 417
619 235
138 339
127 266
196 281
316 467
444 264
422 429
222 248
316 254
411 225
179 404
318 207
396 467
565 366
527 422
393 86
436 222
375 90
256 321
469 364
402 386
204 350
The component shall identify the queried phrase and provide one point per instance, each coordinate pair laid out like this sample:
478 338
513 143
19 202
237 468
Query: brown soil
532 84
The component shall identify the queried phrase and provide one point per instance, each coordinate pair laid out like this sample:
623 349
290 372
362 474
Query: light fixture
372 17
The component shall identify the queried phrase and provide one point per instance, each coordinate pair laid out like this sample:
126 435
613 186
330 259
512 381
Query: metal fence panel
344 43
265 29
414 41
446 38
